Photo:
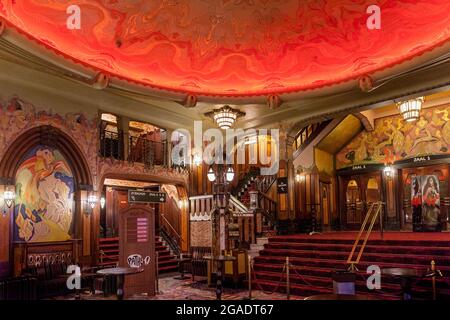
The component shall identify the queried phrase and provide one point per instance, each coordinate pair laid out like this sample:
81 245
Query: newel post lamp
221 175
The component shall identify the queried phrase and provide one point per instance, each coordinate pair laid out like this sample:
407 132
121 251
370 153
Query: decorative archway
52 137
14 260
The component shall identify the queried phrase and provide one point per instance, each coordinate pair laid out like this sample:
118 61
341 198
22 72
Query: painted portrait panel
430 202
44 197
416 203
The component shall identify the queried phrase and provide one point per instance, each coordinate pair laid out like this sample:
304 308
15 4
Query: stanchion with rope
250 267
303 279
288 293
259 286
432 274
157 274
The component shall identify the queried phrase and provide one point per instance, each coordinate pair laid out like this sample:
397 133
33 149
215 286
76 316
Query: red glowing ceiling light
230 48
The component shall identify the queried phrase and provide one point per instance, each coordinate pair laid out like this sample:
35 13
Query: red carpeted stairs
110 248
315 258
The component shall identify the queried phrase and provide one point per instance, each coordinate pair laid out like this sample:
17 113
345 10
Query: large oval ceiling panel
235 47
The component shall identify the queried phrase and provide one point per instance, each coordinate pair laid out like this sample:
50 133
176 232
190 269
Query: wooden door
354 202
137 248
325 202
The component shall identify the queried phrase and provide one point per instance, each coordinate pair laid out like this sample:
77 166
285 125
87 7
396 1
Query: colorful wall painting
44 197
394 139
430 203
416 204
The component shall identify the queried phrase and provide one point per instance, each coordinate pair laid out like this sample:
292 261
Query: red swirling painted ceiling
235 47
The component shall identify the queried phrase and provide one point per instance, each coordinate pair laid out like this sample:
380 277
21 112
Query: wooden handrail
206 196
170 226
372 214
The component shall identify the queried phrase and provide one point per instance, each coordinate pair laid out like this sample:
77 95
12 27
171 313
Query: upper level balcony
142 143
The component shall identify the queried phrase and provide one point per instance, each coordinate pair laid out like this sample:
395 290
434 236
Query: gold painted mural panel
394 139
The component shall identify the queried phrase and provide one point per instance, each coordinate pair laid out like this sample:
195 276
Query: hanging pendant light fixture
410 109
225 117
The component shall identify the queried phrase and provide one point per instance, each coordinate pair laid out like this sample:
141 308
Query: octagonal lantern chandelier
410 109
225 117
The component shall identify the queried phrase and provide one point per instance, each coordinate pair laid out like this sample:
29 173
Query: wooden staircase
109 254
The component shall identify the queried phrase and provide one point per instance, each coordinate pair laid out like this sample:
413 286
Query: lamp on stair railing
220 173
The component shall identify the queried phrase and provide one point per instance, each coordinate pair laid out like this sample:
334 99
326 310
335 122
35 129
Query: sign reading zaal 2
137 196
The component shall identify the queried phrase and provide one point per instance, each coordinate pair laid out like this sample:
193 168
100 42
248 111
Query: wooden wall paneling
86 225
5 239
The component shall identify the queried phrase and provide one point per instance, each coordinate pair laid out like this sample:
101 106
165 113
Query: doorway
359 192
325 200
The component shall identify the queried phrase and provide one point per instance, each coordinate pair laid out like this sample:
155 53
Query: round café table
338 297
406 276
120 274
219 276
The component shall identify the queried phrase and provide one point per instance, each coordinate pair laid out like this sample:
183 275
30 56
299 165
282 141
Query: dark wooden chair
197 265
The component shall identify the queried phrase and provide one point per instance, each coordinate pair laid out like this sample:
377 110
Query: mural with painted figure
44 197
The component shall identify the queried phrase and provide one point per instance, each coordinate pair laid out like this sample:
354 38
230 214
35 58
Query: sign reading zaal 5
137 196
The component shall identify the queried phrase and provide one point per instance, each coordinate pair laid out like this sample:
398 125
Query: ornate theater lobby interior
224 150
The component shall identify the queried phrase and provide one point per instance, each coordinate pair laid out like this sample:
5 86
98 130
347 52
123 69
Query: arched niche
23 254
54 138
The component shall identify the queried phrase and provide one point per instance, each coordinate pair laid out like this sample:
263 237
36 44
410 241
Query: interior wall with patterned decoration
394 139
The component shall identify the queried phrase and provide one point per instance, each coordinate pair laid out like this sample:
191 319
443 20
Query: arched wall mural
44 206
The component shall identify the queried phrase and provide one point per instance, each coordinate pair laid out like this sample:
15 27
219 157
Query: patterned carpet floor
171 288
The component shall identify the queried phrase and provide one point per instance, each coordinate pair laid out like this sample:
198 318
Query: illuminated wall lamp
8 199
102 202
196 159
388 171
91 202
300 177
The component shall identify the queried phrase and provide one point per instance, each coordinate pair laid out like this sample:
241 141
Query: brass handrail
372 213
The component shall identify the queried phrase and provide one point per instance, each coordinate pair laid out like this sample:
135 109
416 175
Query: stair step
314 259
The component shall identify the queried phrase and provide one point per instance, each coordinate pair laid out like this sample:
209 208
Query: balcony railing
121 146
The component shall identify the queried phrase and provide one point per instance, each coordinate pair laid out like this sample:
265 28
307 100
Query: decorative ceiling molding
228 49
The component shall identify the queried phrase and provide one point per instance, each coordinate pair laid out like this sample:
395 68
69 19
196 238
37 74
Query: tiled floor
173 289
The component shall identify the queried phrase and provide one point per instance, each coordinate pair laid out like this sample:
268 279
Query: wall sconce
102 202
91 203
299 177
182 203
197 159
8 199
388 171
